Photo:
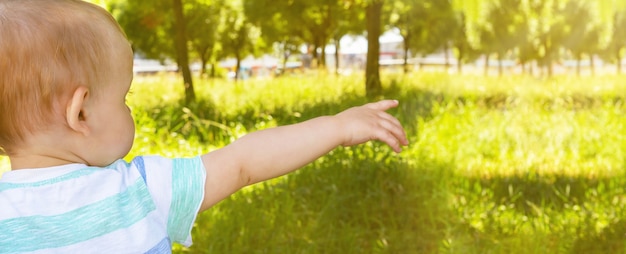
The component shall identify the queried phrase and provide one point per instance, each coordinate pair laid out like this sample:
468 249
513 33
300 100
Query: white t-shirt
137 207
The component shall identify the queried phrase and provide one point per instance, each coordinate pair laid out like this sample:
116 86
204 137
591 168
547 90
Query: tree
503 21
409 17
203 23
441 24
150 27
527 48
583 32
615 49
486 40
424 26
460 42
314 22
276 26
240 37
348 21
551 30
321 21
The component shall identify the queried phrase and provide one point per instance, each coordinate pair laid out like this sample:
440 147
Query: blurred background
266 37
515 111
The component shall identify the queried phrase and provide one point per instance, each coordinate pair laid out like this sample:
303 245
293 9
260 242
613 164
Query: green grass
496 165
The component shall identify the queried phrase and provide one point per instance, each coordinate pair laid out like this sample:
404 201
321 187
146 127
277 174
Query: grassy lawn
510 164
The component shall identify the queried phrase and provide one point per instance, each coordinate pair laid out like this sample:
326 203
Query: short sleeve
177 188
188 177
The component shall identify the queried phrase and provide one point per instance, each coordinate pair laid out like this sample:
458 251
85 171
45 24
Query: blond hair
47 49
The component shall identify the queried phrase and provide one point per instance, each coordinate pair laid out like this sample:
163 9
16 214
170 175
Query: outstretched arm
273 152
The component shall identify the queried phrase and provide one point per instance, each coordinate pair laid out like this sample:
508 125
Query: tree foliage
149 27
315 23
529 32
275 23
204 25
614 52
240 37
461 42
424 25
582 31
503 25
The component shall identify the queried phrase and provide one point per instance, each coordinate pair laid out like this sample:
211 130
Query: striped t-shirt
137 207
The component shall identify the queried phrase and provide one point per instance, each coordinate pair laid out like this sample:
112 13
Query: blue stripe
165 246
40 232
74 174
187 192
141 166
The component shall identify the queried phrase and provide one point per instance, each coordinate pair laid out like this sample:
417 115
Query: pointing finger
383 105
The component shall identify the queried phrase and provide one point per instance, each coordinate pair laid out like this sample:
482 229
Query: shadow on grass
611 240
343 203
559 191
559 214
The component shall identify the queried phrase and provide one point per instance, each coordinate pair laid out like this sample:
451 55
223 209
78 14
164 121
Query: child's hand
371 122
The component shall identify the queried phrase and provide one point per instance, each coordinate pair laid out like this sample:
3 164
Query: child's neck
49 151
37 161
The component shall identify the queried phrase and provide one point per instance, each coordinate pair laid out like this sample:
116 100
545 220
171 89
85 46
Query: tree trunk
203 52
203 72
182 52
593 65
213 66
314 57
549 65
286 54
500 67
405 63
322 63
446 56
238 68
284 70
373 86
578 60
619 61
548 58
486 65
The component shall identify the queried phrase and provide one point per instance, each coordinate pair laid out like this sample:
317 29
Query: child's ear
75 115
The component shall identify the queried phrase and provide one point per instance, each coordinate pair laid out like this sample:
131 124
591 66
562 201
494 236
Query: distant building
353 51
